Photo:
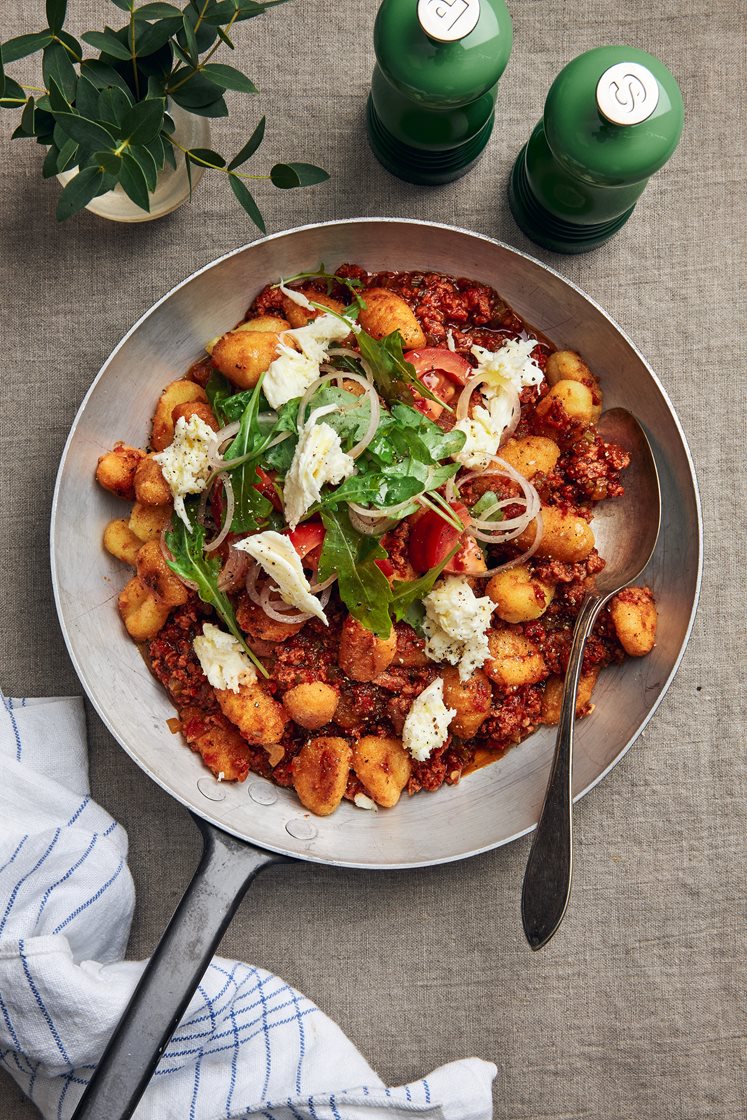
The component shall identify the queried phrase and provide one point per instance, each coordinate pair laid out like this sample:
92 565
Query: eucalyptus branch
190 154
197 69
133 51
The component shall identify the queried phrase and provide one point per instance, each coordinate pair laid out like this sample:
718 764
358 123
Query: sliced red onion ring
216 542
525 555
233 573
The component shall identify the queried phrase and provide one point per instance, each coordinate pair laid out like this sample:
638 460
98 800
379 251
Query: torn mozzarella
275 553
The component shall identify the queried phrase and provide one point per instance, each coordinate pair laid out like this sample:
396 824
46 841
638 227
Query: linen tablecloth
633 1009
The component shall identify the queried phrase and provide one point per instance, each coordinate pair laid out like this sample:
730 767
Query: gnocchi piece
243 356
115 471
362 655
471 699
633 614
566 536
553 696
566 365
148 522
385 312
151 488
157 576
531 455
383 766
253 620
259 718
311 705
514 660
176 392
195 408
121 542
265 323
299 316
142 613
576 402
320 774
223 751
519 596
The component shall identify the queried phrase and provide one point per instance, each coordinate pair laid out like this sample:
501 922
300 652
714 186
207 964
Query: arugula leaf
188 560
439 444
252 508
407 595
219 390
485 507
363 587
394 377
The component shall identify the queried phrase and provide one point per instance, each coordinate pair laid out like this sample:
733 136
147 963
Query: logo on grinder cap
446 21
627 93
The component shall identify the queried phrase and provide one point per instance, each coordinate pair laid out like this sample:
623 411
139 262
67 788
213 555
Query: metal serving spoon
626 530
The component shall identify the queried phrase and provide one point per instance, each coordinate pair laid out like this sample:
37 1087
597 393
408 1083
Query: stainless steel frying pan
246 827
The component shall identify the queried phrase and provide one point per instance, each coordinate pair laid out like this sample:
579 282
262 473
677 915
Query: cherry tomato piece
266 486
386 566
440 359
432 538
307 537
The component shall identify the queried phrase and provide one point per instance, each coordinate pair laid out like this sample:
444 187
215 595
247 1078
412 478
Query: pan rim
205 814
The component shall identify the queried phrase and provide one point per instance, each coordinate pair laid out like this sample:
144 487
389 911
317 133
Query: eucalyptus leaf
250 147
169 153
79 192
123 5
150 37
102 74
107 42
89 133
68 153
27 117
290 175
72 43
157 11
156 149
214 110
143 121
248 9
191 90
147 163
132 180
49 167
224 38
228 77
189 41
113 106
56 64
56 10
24 45
108 162
87 100
2 73
206 155
13 95
58 103
246 199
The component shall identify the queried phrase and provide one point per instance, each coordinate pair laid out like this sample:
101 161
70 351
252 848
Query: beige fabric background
633 1010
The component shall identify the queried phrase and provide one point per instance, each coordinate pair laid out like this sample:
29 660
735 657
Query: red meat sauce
468 313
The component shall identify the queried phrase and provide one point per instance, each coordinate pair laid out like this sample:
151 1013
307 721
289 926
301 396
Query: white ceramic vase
172 188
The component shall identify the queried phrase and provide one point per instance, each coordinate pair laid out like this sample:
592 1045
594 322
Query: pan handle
226 869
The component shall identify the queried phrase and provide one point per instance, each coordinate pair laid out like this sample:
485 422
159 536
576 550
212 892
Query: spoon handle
547 879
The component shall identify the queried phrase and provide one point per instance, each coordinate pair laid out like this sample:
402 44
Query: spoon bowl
626 531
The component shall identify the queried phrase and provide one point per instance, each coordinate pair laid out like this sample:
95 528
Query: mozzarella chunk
276 554
318 459
185 463
291 373
512 364
484 431
222 659
456 624
427 722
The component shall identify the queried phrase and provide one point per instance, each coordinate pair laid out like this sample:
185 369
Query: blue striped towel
249 1044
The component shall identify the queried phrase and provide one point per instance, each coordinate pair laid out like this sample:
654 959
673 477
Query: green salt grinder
613 116
432 103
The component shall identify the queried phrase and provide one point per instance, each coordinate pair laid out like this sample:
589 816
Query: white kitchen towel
249 1044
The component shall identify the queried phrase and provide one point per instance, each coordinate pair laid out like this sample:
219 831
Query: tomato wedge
307 538
439 359
432 538
266 486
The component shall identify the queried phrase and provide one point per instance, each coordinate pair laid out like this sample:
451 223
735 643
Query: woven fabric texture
632 1010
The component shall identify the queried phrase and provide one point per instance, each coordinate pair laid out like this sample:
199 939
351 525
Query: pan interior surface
493 805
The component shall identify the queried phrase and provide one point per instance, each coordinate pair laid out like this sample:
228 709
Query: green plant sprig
108 115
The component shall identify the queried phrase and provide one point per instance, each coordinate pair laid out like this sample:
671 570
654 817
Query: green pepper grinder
432 103
612 118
